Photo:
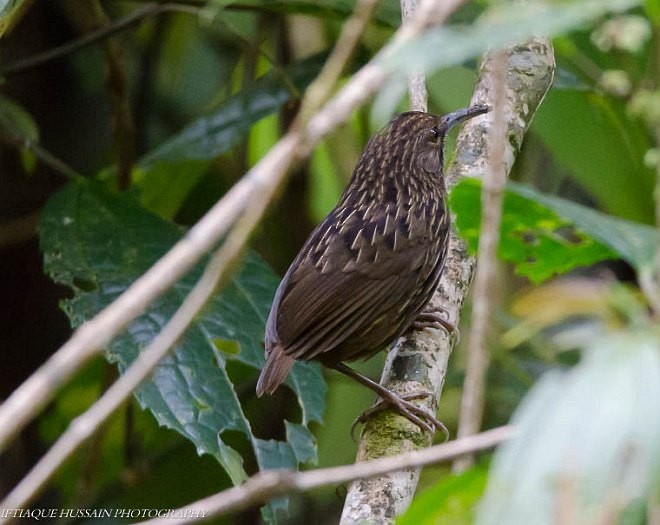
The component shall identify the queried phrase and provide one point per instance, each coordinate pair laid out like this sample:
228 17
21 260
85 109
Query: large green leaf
633 242
592 137
97 243
211 135
538 240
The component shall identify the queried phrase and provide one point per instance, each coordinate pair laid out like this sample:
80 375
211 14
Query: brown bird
365 274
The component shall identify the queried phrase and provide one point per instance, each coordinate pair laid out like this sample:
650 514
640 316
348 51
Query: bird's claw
418 415
436 317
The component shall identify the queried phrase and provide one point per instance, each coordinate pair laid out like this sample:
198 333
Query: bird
366 273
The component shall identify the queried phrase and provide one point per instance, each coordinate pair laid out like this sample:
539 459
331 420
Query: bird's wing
348 275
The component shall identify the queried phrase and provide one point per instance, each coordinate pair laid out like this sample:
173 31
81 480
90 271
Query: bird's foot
418 415
401 403
435 317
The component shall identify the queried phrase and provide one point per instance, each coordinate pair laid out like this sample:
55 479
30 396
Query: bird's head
420 136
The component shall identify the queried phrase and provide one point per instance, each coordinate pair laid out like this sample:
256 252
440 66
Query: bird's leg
435 317
418 415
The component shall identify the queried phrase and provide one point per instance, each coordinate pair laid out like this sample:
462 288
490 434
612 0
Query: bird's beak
456 117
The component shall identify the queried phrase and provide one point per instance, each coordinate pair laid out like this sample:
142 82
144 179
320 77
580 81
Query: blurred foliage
212 86
451 501
589 435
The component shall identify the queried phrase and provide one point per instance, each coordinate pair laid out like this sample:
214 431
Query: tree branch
270 484
419 362
416 81
485 281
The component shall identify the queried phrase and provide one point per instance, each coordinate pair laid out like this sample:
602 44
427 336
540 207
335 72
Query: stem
485 282
416 81
123 125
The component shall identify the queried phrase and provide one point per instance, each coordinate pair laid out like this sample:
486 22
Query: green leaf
593 138
232 462
587 440
324 186
166 185
98 243
451 501
653 10
209 136
536 239
262 138
633 242
16 122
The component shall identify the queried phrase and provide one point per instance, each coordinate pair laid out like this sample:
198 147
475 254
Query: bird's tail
274 371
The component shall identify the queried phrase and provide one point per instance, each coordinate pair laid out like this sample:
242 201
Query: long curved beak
458 116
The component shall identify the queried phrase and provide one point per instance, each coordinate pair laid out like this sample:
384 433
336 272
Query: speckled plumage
371 266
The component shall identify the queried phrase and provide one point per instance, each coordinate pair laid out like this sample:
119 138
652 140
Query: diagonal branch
274 483
23 65
419 362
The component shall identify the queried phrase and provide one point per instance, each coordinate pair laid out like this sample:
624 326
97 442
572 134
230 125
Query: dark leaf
218 132
98 243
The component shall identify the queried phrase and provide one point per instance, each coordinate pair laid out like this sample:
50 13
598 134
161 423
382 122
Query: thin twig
90 17
88 340
56 164
273 483
144 84
151 9
494 180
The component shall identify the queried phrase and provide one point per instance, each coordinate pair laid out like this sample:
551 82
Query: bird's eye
433 134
